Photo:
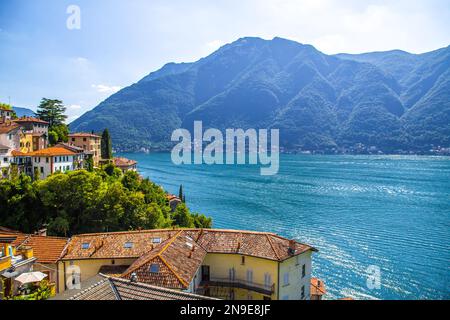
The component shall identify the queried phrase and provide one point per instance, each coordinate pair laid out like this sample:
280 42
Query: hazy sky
119 42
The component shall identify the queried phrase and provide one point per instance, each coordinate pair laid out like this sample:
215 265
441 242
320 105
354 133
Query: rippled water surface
359 211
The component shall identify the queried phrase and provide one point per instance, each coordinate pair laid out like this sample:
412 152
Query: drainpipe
278 282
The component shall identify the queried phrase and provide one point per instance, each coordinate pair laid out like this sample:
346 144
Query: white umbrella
31 277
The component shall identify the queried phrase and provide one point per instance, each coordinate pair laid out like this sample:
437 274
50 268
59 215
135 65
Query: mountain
389 100
24 112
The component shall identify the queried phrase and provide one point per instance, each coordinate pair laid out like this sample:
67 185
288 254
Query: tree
182 217
180 192
106 145
52 111
9 107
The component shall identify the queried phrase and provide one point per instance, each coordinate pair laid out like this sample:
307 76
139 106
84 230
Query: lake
360 212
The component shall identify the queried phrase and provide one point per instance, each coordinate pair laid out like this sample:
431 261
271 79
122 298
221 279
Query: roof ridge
273 248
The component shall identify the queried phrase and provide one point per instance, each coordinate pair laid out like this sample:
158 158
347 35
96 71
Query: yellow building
227 264
91 144
34 134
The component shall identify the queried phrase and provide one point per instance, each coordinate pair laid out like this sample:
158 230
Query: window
303 292
303 270
243 260
84 139
156 240
286 279
67 168
46 160
73 139
232 274
42 169
267 280
85 245
154 268
128 245
250 275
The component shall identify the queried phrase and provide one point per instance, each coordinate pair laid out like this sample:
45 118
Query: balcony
237 283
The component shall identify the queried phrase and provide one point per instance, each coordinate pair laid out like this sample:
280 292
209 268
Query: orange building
91 144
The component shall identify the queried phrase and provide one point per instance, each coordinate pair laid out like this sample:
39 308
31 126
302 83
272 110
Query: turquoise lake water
392 212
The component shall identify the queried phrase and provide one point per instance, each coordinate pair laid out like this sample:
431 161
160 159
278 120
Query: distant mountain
24 112
389 100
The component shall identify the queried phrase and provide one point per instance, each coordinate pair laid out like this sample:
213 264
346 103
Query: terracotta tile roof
4 229
53 151
317 287
17 153
30 119
84 135
45 249
113 271
70 147
112 245
8 126
119 289
178 259
124 162
171 197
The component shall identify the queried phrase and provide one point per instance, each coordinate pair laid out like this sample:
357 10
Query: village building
5 114
13 263
34 134
48 161
9 141
225 264
317 289
91 144
80 156
174 201
125 164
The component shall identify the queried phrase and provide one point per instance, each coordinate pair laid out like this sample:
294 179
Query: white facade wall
293 267
48 165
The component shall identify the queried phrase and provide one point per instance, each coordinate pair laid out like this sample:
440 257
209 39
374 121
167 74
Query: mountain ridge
386 100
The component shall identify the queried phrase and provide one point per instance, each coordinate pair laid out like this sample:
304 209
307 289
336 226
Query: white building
55 159
9 141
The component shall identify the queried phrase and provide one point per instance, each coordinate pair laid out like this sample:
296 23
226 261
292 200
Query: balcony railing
238 283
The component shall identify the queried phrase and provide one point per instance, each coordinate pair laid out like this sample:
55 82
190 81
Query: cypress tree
106 145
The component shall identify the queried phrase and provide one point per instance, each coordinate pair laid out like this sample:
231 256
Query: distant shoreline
312 153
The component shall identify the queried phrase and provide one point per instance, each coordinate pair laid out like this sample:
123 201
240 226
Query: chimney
291 249
41 232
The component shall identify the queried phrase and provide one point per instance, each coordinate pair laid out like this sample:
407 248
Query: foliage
52 111
82 201
42 292
6 106
106 145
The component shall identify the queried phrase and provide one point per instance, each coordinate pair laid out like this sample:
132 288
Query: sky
83 51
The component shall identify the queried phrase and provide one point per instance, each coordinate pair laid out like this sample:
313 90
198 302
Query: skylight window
85 245
156 240
128 245
190 245
154 268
